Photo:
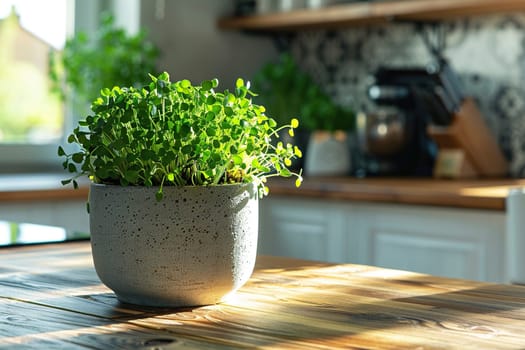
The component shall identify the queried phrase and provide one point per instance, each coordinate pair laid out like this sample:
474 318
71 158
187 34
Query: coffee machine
393 135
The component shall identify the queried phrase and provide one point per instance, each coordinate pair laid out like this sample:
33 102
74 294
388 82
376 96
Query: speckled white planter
194 247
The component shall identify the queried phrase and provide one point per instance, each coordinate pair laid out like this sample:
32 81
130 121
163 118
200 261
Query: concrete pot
194 247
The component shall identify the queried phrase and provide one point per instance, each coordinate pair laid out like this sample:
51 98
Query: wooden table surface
51 298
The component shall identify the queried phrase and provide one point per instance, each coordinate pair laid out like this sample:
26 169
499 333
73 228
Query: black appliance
393 135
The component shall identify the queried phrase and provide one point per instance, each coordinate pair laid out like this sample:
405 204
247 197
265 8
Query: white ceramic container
328 154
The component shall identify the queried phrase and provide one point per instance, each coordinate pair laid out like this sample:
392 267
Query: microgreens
179 134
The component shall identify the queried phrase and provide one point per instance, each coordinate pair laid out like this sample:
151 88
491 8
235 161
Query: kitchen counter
475 194
39 187
50 297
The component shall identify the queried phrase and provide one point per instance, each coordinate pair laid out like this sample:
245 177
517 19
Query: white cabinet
312 230
450 242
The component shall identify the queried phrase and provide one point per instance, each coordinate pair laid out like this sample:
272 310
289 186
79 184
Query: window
32 120
29 111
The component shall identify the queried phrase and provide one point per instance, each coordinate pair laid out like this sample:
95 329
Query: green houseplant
108 57
179 134
287 91
176 171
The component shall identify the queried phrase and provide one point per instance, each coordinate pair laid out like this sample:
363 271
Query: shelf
369 13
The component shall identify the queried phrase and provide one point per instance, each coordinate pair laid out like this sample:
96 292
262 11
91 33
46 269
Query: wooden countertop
475 194
51 298
39 187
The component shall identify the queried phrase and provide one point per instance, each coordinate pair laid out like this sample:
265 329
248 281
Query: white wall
127 14
194 48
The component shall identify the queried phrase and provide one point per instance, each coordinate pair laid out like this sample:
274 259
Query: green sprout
178 134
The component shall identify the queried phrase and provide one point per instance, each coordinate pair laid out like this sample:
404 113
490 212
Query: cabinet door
458 243
302 229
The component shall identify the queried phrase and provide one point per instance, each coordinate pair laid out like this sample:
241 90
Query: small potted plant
288 92
176 172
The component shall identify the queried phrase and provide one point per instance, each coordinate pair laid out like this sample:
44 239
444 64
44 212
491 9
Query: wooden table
50 297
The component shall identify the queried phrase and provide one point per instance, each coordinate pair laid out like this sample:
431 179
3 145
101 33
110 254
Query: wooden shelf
369 13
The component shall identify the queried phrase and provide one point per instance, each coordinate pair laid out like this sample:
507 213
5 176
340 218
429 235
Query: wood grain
50 297
369 13
469 132
36 187
44 195
487 194
476 194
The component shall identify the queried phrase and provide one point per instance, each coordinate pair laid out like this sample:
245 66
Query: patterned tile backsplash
487 52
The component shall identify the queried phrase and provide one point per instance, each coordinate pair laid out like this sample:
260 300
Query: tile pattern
488 52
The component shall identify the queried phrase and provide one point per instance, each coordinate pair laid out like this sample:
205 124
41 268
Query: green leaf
164 76
216 156
132 176
102 173
186 149
210 116
237 160
61 151
285 172
216 109
210 100
239 83
72 168
185 129
297 152
207 85
153 111
212 131
78 157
